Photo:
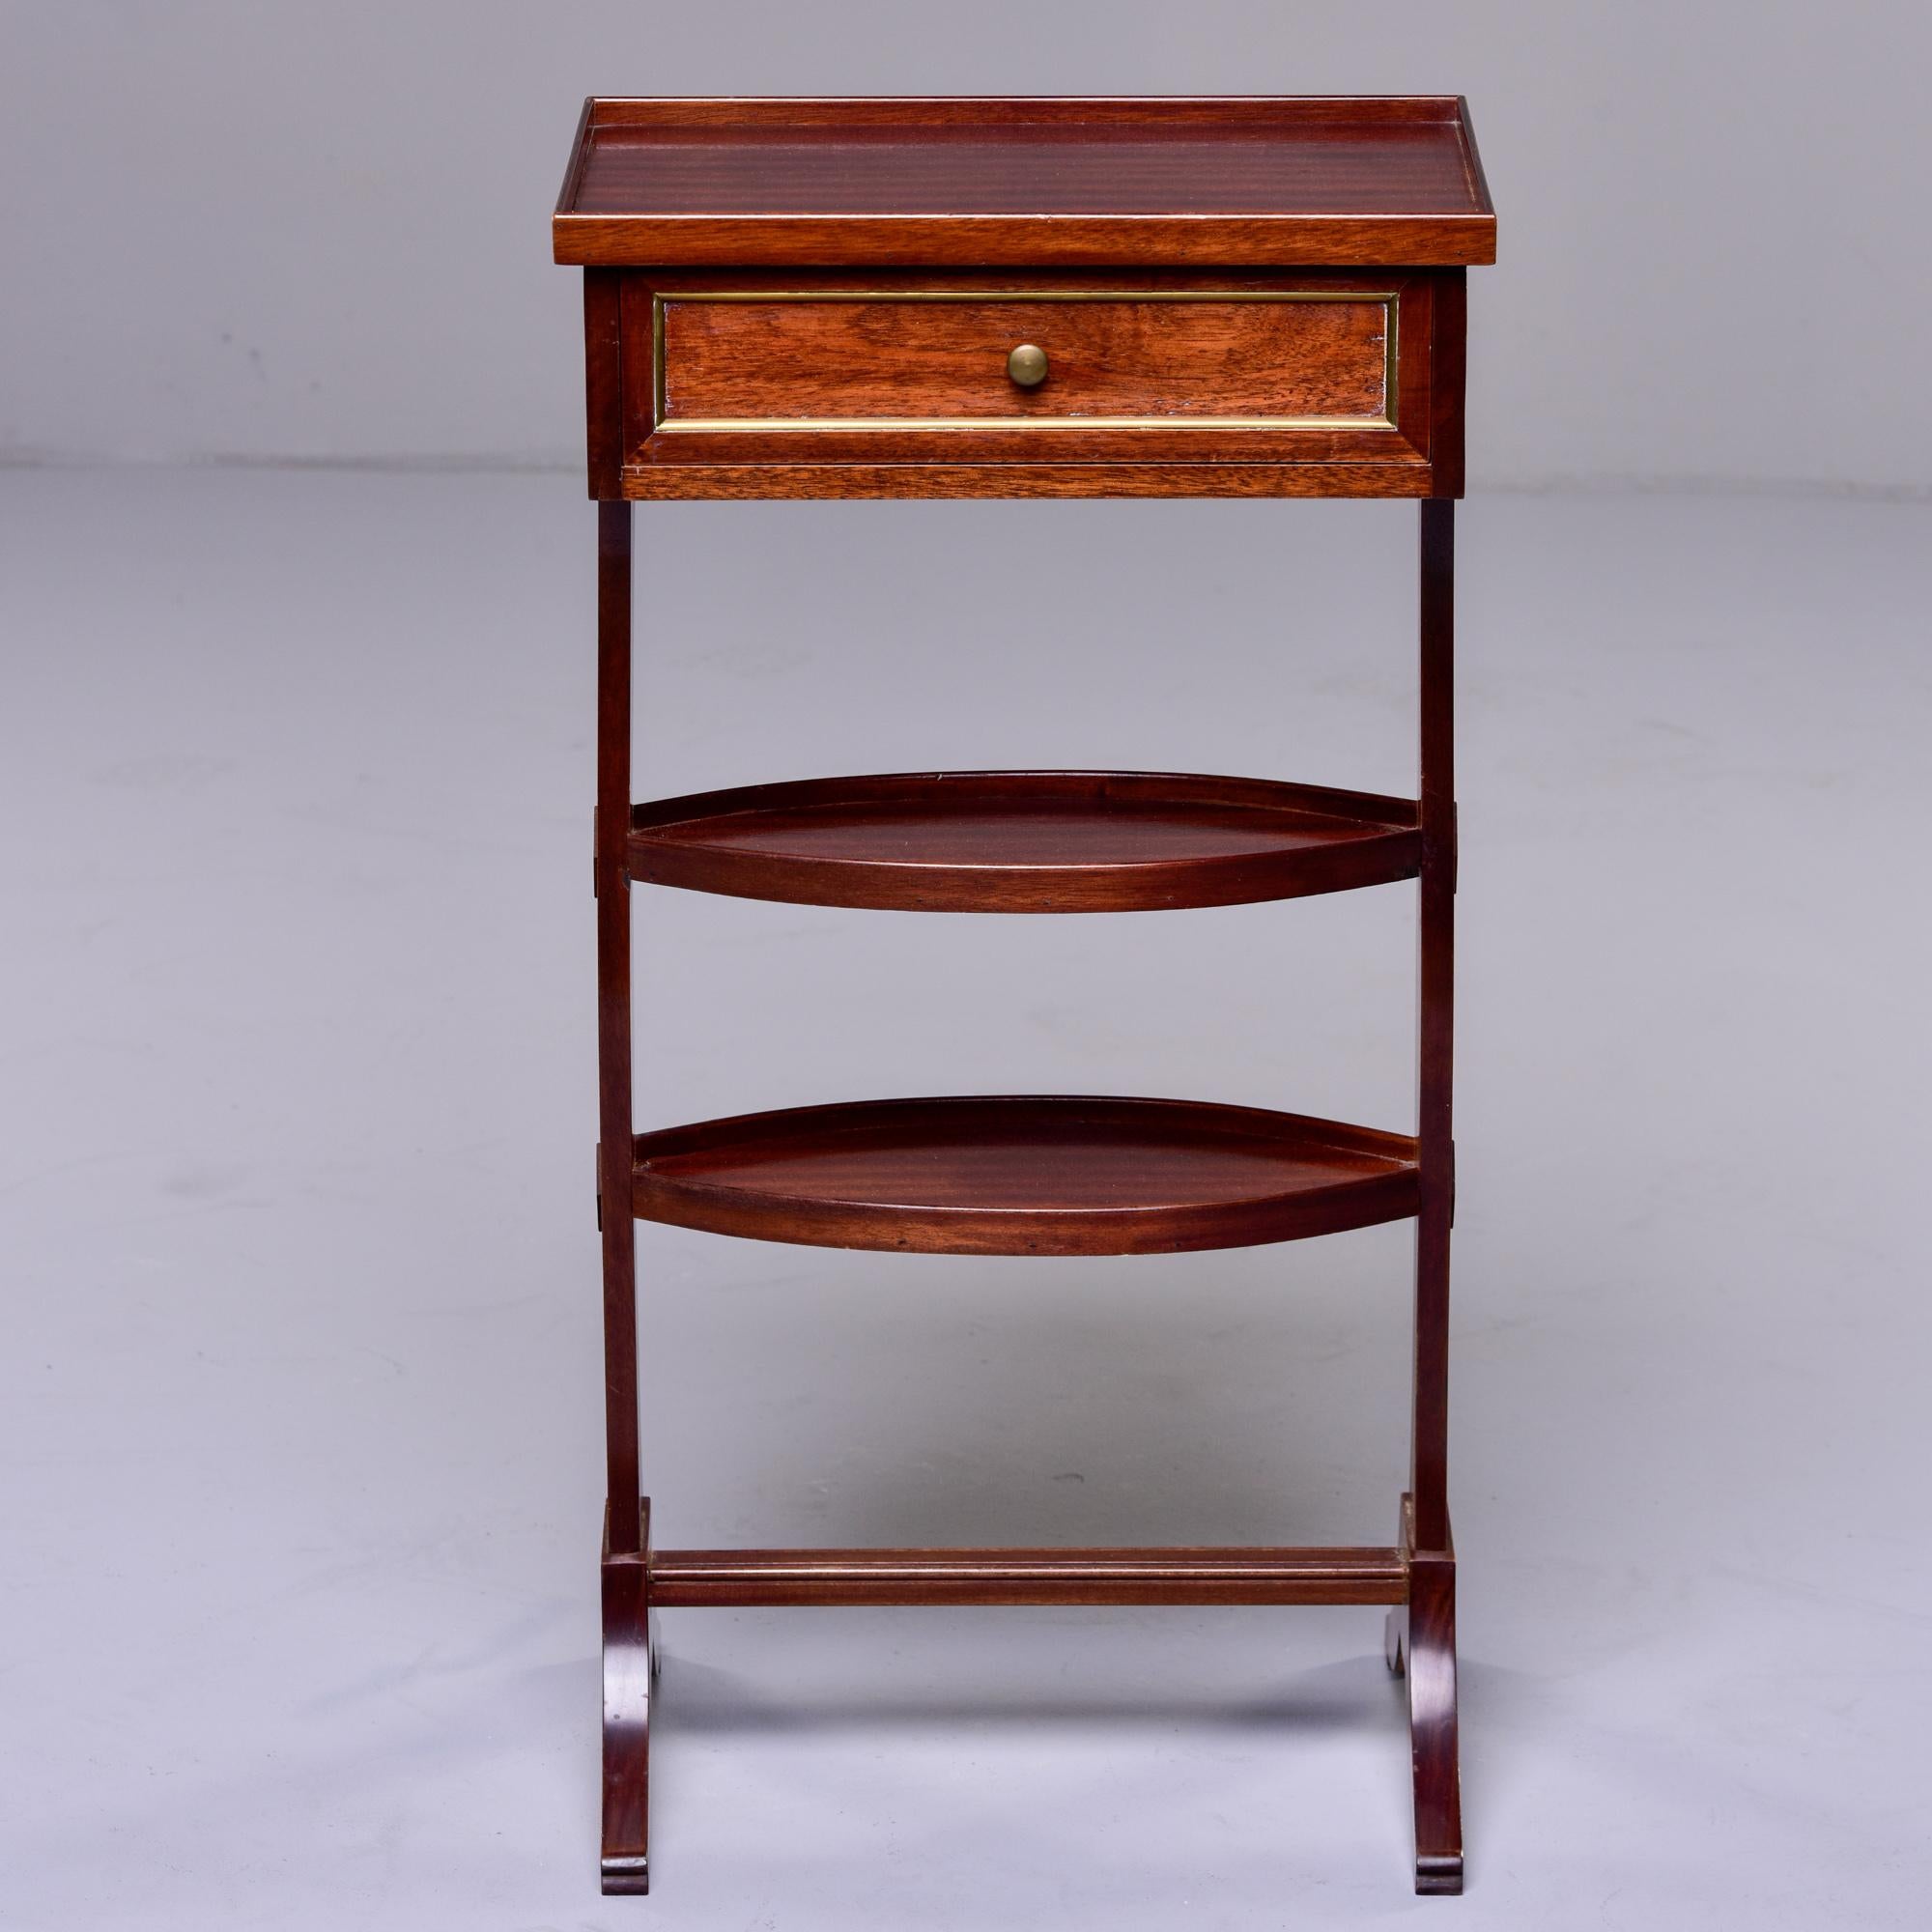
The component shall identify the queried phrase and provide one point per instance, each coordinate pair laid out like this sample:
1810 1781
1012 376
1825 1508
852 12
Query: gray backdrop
301 1453
234 229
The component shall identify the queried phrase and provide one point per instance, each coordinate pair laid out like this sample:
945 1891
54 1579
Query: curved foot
628 1670
1431 1657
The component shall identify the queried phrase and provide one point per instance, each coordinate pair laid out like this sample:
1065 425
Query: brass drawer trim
1389 298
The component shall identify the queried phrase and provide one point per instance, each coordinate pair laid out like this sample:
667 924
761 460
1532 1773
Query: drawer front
1208 359
904 384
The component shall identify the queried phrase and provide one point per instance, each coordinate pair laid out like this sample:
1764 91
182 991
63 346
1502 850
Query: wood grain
1024 1175
628 1667
755 481
744 1578
1431 1609
1130 335
614 1020
1435 980
1385 181
1204 357
603 382
1422 1647
1025 841
891 252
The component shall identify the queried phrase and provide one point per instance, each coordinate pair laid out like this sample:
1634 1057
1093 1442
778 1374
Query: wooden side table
1027 297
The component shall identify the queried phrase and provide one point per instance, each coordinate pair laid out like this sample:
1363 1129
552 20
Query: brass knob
1027 365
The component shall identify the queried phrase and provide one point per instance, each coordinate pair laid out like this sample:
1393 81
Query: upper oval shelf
1025 841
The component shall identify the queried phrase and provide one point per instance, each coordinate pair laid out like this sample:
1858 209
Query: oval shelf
1020 1174
1025 841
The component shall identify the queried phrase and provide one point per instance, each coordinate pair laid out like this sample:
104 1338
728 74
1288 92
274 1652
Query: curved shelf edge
1024 1175
1025 841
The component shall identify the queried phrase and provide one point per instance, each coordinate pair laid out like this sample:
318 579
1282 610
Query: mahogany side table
1027 297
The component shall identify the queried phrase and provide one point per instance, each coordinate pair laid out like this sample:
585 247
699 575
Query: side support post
614 1023
1435 1026
1422 1636
626 1565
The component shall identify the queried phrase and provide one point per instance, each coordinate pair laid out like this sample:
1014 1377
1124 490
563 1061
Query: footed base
628 1669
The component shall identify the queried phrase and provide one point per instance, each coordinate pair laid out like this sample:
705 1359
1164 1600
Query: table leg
626 1575
629 1668
1425 1644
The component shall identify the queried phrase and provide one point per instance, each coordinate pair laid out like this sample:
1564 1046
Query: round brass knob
1027 365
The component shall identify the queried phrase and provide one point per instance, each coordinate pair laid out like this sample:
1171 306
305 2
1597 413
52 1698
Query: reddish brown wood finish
1025 841
1025 1175
1449 308
1435 975
1421 1646
883 256
1042 183
1200 357
1431 1637
743 1579
748 482
614 1020
629 1666
602 384
898 345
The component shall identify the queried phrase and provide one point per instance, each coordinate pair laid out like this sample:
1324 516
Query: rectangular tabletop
1366 182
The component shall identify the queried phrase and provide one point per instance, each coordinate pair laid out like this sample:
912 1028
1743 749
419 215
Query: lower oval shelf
1024 1175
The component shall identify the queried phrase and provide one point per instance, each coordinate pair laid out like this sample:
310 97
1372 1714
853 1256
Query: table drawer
1213 360
1062 378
